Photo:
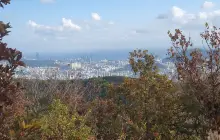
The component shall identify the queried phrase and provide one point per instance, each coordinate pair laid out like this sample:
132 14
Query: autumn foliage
12 99
151 106
199 76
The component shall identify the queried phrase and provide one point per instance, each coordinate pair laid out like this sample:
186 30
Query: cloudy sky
90 25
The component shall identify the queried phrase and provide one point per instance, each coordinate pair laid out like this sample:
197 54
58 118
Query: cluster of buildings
85 69
82 70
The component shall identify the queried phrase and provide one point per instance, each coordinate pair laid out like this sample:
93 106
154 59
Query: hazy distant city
82 67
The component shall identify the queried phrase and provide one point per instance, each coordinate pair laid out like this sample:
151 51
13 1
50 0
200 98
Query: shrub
59 124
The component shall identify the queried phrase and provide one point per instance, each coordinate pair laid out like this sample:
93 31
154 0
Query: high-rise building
76 65
37 56
90 59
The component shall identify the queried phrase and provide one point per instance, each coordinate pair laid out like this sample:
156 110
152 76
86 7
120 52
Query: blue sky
91 25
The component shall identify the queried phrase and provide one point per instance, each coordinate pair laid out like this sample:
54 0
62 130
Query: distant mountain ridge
168 59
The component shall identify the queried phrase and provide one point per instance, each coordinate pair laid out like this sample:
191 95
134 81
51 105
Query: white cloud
216 13
47 1
177 12
193 22
36 26
95 16
203 15
209 15
181 16
208 5
67 24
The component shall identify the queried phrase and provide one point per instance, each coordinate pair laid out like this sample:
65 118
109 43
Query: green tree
59 124
95 87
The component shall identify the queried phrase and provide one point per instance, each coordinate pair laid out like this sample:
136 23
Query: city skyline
87 26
